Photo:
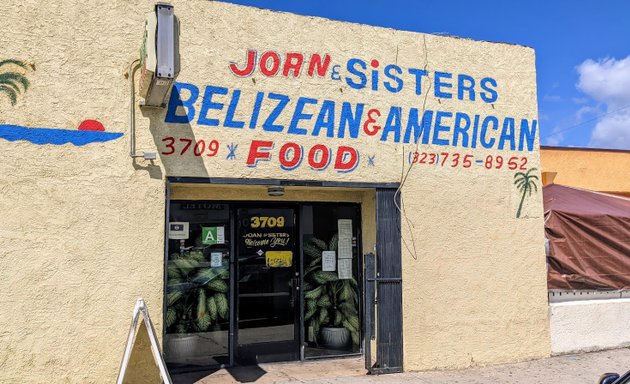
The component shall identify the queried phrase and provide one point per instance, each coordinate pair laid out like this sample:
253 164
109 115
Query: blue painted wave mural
55 136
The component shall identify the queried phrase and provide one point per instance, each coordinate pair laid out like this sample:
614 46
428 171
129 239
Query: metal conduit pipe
133 67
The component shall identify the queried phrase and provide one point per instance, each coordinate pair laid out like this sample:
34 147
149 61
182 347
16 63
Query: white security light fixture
159 56
159 60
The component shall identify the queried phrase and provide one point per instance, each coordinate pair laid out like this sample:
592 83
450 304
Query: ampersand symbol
373 130
335 72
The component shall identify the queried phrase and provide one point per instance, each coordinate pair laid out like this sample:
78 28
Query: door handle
295 289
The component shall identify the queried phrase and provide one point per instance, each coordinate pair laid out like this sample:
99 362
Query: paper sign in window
279 259
216 259
344 248
329 261
178 230
344 269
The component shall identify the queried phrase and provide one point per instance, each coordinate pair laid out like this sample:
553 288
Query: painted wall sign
55 136
14 83
293 116
526 183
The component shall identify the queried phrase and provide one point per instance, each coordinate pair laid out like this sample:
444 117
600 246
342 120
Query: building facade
290 148
601 170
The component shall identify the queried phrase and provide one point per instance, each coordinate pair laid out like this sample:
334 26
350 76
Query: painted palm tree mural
526 184
13 83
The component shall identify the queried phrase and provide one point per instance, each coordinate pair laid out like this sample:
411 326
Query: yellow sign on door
279 259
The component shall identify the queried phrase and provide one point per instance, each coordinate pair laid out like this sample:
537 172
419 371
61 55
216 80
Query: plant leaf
222 305
334 242
201 304
218 285
173 297
171 317
321 244
10 92
185 265
313 294
324 277
205 275
14 77
324 302
204 323
212 308
14 62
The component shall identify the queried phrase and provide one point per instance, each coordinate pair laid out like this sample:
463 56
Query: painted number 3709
266 222
182 145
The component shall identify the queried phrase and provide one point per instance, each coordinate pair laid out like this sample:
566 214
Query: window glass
332 321
197 285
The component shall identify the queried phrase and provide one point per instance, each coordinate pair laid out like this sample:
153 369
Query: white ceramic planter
335 338
178 347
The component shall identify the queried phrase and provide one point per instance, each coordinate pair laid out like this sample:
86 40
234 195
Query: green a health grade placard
213 235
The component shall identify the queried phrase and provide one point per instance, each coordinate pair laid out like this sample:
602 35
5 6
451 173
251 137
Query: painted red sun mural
91 125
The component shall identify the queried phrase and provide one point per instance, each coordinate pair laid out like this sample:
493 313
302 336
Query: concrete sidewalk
570 369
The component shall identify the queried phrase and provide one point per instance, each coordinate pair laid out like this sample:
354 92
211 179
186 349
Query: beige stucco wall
82 231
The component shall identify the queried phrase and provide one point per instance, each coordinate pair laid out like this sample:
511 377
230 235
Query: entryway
268 289
255 282
252 278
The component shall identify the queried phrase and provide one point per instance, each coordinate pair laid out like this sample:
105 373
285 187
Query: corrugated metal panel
389 336
369 323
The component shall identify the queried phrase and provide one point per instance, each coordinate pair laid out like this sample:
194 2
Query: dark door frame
234 207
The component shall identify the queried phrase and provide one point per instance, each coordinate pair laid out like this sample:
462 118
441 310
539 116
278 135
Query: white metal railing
141 308
563 295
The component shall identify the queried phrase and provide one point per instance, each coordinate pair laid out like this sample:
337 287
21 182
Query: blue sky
582 52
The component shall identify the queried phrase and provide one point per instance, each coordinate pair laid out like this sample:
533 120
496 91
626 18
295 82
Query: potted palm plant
331 304
196 301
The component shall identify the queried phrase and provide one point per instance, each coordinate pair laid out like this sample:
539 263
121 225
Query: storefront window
332 321
295 270
197 287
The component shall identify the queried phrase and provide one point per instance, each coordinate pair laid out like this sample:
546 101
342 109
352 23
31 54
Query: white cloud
608 82
586 110
552 98
555 138
613 131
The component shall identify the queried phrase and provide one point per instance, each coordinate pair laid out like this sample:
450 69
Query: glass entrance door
267 285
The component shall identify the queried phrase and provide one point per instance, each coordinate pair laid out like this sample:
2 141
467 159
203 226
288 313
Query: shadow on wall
142 368
176 144
154 170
